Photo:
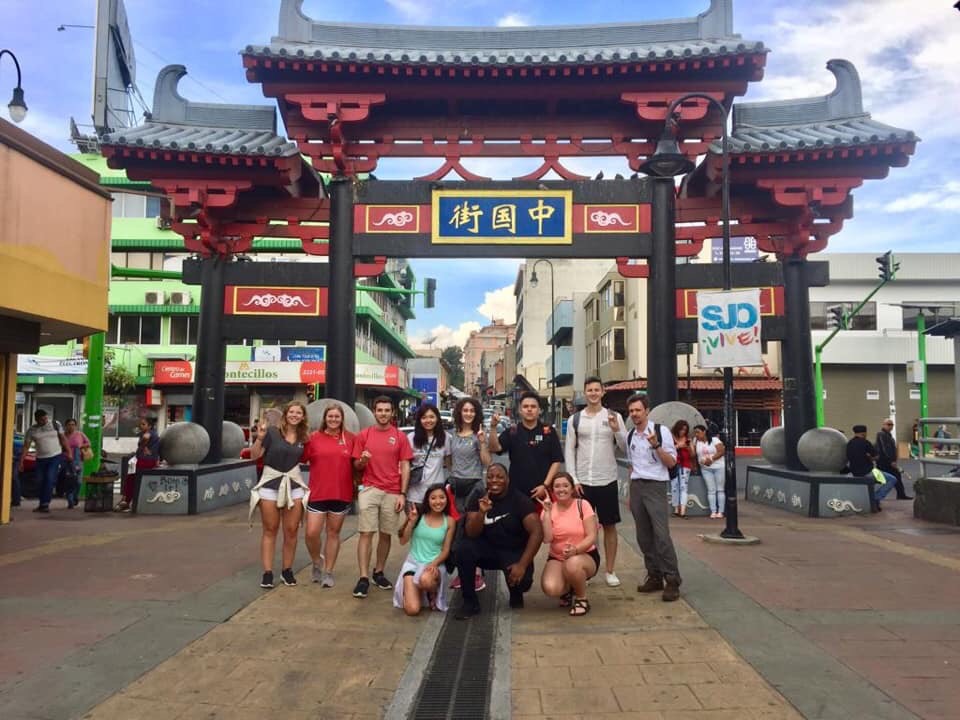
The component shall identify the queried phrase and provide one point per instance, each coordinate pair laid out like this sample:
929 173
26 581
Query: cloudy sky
904 50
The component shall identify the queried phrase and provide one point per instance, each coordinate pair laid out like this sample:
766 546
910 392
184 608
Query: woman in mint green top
423 578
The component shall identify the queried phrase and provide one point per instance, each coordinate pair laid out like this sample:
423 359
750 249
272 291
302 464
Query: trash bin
99 496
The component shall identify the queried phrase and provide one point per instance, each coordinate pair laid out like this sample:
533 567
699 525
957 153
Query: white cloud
513 20
499 305
444 336
945 198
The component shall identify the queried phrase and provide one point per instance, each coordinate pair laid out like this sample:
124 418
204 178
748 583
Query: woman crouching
570 529
423 578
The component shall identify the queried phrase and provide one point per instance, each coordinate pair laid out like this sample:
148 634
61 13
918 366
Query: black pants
473 553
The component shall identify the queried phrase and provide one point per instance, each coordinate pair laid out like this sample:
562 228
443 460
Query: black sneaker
381 582
361 588
42 509
288 577
267 580
467 611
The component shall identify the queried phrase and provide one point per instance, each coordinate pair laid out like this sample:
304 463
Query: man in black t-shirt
502 532
860 458
533 448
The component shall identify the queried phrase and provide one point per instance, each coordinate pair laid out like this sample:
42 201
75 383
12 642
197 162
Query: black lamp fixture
16 106
667 160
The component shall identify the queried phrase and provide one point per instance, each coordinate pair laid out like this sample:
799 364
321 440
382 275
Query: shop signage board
43 365
180 372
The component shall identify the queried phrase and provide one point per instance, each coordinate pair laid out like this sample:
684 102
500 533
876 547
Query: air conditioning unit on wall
155 297
181 297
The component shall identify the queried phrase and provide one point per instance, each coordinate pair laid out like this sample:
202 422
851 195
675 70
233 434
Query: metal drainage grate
456 684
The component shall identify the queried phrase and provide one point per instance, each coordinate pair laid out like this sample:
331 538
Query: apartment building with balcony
481 351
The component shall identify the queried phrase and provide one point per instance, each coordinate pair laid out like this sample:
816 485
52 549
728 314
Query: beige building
481 351
55 255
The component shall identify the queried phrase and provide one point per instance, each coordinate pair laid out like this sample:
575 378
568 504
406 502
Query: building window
865 319
134 330
618 293
590 311
619 344
931 313
183 330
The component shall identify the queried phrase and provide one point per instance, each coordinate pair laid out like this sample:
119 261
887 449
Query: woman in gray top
281 489
469 457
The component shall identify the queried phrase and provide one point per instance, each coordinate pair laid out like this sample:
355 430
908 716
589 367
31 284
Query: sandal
581 606
566 600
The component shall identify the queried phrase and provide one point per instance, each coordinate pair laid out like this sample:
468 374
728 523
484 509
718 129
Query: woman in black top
281 488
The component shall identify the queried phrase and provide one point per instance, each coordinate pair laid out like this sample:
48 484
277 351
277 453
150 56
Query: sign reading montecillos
181 372
265 300
533 217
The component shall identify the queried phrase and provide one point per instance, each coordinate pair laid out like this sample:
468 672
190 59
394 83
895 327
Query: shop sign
180 372
267 300
43 365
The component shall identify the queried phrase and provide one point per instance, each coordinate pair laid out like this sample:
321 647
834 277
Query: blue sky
905 53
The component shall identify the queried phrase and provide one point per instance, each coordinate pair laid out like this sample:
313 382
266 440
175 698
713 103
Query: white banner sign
728 329
43 365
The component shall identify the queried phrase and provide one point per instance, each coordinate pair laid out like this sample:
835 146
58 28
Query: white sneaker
613 580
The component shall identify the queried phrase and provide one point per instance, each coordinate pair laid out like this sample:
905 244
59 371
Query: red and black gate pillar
661 289
799 407
208 389
341 340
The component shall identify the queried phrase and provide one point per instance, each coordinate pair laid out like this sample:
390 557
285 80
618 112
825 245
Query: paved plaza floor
125 617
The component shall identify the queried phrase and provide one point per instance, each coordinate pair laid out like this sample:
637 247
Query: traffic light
887 267
835 318
430 296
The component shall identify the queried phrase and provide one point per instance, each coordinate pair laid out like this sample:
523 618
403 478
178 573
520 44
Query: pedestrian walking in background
51 446
570 529
651 452
147 457
593 435
888 457
532 446
861 459
429 531
502 532
79 445
469 457
680 482
329 452
383 454
281 489
710 451
430 452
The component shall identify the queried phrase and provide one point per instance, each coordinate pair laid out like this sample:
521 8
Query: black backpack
675 470
575 420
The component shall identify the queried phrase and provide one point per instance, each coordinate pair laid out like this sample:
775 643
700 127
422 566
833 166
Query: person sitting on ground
502 532
423 576
861 456
570 529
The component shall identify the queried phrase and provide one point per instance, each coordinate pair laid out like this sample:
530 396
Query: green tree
453 357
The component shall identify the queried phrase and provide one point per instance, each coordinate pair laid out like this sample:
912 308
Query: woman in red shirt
329 452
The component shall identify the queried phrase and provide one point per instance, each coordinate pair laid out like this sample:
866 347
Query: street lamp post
17 106
668 161
553 337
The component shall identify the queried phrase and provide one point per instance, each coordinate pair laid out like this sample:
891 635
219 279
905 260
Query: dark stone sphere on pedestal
316 409
773 445
670 412
823 450
184 443
233 439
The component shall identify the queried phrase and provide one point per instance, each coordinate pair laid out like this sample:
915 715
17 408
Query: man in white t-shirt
593 435
651 456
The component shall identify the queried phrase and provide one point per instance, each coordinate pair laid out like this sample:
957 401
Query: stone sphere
669 412
364 415
773 446
316 409
184 443
823 450
233 439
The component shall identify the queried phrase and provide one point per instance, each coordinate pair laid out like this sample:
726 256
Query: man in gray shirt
51 447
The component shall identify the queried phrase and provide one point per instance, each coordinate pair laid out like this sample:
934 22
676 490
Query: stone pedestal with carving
812 494
193 489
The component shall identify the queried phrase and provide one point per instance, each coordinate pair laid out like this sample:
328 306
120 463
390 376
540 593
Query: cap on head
859 428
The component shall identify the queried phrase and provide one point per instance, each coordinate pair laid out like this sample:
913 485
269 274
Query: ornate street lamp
17 106
668 161
553 336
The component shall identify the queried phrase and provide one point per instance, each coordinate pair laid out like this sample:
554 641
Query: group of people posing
440 493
